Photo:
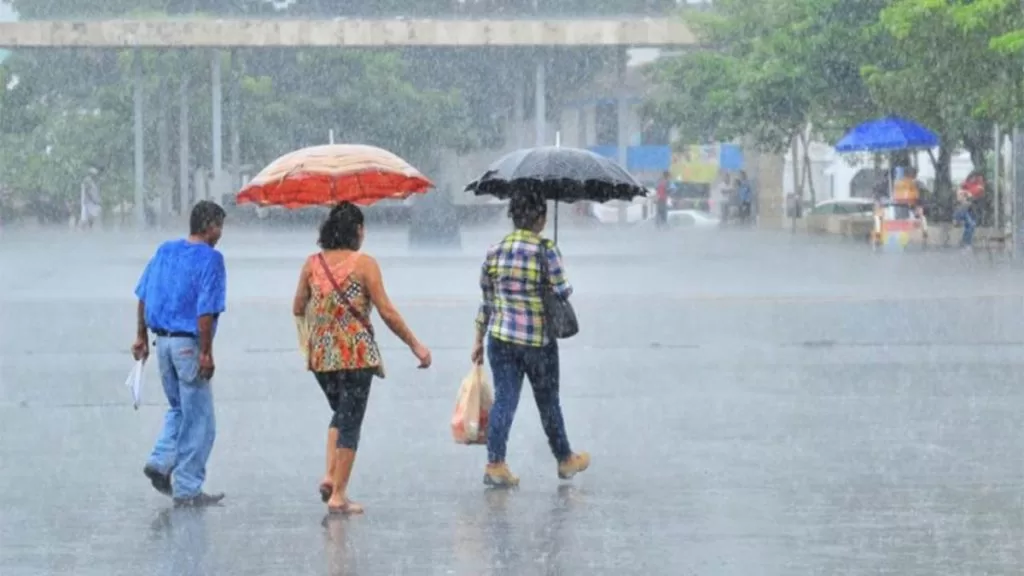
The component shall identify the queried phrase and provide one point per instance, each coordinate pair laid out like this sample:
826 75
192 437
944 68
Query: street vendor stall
898 219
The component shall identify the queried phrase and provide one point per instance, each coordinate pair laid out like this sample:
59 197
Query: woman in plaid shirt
512 318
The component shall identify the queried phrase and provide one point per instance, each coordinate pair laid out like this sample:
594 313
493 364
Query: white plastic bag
472 408
134 382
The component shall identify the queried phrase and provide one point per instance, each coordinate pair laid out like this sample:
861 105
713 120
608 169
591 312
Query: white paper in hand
134 382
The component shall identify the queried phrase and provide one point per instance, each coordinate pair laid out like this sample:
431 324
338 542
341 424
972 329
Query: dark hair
204 215
525 209
341 229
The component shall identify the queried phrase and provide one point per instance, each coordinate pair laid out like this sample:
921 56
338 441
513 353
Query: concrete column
622 110
540 109
1017 209
767 174
217 162
1005 145
235 121
518 114
997 151
163 148
184 154
140 159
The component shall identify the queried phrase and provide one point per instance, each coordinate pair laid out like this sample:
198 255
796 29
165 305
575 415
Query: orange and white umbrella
331 174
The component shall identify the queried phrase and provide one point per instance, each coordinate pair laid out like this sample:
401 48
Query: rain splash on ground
755 403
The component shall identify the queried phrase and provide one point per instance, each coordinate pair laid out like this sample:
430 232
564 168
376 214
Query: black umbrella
558 174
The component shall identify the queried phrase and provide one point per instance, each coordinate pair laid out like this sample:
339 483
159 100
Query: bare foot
343 506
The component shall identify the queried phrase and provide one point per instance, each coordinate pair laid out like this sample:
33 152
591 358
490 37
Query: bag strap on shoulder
341 294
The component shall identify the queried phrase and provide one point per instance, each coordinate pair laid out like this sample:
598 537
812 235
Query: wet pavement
754 403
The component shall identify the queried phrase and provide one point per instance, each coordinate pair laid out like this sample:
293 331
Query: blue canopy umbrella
887 134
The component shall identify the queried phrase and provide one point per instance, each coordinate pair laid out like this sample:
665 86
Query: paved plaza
755 404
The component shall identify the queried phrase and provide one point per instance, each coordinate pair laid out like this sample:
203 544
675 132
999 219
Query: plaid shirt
512 309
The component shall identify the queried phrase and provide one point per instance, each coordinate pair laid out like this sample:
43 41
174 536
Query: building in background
7 14
590 119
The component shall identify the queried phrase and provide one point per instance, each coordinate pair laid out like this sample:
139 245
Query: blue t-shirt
746 193
183 281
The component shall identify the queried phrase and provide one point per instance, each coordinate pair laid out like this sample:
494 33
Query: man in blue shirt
181 294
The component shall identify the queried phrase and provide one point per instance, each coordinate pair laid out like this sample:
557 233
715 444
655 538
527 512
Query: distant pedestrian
511 317
905 190
745 197
181 296
728 198
661 212
972 189
338 288
89 201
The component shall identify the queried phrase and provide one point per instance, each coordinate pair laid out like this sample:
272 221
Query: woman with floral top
338 288
511 317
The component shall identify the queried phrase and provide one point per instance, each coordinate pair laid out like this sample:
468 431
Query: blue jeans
964 215
509 363
189 429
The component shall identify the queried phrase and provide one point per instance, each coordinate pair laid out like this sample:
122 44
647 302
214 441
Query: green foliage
699 94
70 111
415 102
777 65
953 65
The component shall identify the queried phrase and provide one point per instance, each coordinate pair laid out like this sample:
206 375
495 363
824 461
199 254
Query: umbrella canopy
331 174
887 134
563 174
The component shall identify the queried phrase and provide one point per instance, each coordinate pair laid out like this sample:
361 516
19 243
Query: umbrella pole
558 144
556 221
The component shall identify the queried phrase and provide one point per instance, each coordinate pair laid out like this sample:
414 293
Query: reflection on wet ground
755 404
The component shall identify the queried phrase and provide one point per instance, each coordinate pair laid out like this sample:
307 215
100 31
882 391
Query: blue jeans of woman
509 364
963 214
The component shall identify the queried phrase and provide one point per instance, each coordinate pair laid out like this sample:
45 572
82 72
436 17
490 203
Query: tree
939 67
777 65
777 68
73 110
415 102
382 108
699 95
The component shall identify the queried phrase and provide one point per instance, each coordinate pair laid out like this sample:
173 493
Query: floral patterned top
338 339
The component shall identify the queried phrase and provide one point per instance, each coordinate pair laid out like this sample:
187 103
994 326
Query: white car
824 217
843 207
692 219
637 210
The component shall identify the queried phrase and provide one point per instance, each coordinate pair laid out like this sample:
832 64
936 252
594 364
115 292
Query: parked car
692 219
824 216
